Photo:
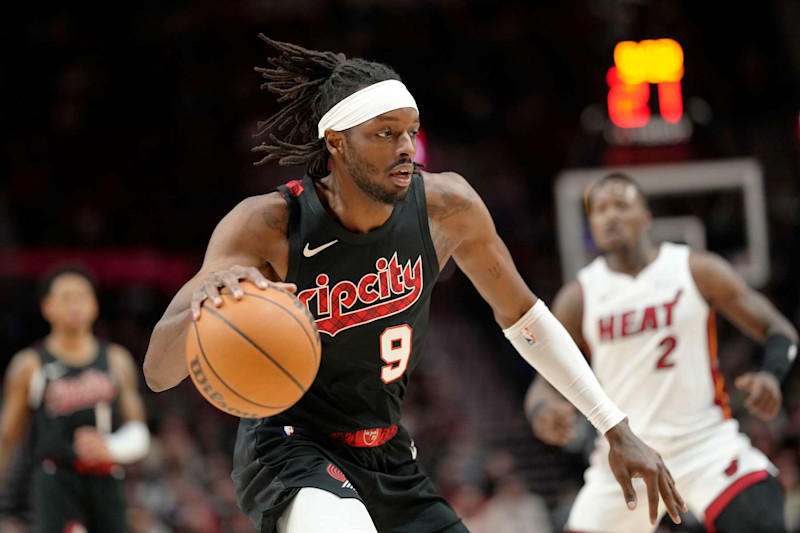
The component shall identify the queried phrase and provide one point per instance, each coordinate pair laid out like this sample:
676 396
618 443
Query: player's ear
334 141
648 218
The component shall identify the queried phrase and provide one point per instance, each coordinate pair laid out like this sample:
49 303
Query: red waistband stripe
366 438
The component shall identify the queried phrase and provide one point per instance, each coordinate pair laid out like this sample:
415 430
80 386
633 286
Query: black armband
779 354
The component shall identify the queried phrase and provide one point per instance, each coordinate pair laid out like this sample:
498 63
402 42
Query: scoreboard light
636 66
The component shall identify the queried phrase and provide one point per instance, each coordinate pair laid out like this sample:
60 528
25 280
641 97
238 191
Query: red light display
636 67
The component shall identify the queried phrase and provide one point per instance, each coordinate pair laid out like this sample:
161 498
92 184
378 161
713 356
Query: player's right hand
764 397
554 422
630 458
90 446
230 278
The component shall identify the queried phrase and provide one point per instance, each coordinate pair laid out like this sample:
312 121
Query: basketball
253 357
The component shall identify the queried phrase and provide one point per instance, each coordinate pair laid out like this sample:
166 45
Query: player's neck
72 347
350 206
632 260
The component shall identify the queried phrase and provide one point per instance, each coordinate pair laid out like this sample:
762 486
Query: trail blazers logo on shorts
337 474
389 291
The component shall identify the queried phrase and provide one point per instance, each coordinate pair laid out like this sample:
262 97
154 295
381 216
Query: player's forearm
781 326
165 361
544 343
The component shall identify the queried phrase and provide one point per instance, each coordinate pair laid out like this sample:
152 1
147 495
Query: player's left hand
764 396
90 446
629 457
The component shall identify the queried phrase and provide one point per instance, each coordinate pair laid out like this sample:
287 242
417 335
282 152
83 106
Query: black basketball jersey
369 294
65 398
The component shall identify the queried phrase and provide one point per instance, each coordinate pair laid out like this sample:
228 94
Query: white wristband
129 443
544 343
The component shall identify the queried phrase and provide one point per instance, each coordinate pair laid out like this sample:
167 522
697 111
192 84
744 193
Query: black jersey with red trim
66 397
369 295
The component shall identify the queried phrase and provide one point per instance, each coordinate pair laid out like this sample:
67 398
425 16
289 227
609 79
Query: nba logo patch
529 337
288 430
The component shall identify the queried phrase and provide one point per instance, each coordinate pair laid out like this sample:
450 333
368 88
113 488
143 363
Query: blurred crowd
131 135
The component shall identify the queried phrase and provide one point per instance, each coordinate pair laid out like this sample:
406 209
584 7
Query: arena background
126 136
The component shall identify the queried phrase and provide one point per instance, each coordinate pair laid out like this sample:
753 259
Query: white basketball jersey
653 347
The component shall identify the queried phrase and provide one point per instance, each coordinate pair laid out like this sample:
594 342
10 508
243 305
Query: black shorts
270 467
759 507
64 497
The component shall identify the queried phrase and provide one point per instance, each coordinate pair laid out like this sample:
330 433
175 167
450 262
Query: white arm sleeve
129 443
547 346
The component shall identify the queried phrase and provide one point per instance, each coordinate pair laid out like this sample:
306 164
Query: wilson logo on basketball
213 395
390 290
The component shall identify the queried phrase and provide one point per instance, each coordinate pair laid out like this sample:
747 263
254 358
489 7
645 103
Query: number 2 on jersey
668 344
396 351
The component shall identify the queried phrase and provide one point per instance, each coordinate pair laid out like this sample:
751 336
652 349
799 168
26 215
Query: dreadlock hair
614 176
311 83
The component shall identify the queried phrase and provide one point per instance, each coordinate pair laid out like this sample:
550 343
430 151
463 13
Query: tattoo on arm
496 272
448 203
445 201
277 220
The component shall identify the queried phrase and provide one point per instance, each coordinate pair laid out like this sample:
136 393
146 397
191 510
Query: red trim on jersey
81 467
717 506
721 397
295 187
95 469
366 438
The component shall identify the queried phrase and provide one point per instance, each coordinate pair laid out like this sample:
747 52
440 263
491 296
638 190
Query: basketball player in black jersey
80 396
362 244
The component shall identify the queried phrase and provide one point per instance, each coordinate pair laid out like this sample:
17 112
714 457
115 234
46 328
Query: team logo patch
335 473
391 289
529 337
338 475
370 436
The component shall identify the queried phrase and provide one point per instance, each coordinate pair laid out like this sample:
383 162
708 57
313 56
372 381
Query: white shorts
708 474
317 511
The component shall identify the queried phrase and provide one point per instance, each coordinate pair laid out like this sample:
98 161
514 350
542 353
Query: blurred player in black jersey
80 396
361 239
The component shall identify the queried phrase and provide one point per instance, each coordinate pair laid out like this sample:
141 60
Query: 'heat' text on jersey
391 290
637 321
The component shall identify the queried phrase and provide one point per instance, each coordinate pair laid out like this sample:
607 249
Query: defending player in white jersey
645 317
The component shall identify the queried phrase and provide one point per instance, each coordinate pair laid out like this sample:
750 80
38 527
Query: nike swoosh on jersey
311 252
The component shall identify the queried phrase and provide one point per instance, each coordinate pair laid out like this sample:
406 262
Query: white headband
365 104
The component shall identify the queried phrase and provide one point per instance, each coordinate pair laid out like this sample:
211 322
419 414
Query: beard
360 170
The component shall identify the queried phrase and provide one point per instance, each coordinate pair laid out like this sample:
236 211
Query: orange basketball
253 357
